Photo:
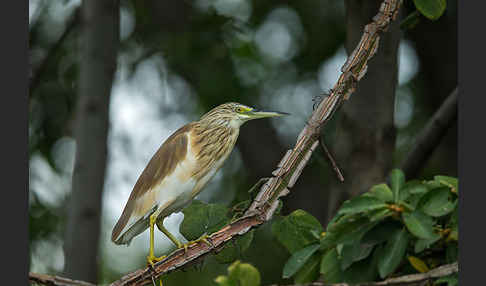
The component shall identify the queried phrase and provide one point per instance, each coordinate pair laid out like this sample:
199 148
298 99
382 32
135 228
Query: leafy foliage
297 230
240 274
403 228
201 218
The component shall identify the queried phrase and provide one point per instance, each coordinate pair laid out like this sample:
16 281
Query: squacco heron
180 169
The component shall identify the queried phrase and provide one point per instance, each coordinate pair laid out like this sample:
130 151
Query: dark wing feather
163 163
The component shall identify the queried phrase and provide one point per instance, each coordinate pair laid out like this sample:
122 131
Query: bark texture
365 136
99 43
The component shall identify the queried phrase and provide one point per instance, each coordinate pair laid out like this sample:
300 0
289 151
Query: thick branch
430 136
292 164
55 280
413 279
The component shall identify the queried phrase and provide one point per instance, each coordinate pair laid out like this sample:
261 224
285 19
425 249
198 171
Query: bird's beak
255 114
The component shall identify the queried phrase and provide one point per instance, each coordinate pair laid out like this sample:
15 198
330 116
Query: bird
179 170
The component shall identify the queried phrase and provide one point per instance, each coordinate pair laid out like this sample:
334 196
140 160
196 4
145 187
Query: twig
55 280
331 159
413 279
37 73
430 136
292 164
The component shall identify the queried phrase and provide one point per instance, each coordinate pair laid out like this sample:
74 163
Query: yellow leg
151 258
174 240
160 225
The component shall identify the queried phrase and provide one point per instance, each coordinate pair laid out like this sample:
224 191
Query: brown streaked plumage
162 163
180 169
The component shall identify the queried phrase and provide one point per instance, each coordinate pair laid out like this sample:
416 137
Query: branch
37 73
438 272
292 164
55 280
430 136
413 279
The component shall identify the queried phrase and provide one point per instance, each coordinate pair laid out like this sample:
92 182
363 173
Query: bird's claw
151 259
203 238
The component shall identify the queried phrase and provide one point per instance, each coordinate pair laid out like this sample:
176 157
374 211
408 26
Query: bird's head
235 114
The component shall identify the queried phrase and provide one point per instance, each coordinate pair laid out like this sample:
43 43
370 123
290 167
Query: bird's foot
152 259
203 238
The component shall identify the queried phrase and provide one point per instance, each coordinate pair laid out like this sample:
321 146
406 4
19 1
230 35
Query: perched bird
180 169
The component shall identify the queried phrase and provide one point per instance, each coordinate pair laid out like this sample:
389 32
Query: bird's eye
239 109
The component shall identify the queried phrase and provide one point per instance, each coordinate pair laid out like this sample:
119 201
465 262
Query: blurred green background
178 59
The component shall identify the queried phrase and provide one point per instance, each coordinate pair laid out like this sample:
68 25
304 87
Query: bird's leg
151 258
160 225
178 244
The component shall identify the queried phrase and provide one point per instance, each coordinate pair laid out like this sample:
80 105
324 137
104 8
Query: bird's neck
213 143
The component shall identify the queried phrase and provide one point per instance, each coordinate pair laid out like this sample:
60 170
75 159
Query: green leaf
381 192
412 187
397 180
233 249
422 244
431 9
354 252
350 230
437 202
450 182
310 271
361 204
333 220
297 230
381 233
330 267
328 241
419 224
393 253
432 184
240 274
380 214
363 271
451 280
298 259
413 200
200 218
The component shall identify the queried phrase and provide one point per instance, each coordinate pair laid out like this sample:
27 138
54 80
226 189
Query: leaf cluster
239 274
396 228
201 218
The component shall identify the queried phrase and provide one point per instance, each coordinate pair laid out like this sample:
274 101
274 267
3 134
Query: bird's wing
162 164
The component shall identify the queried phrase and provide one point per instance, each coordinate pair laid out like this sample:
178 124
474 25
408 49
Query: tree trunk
365 135
436 47
98 54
